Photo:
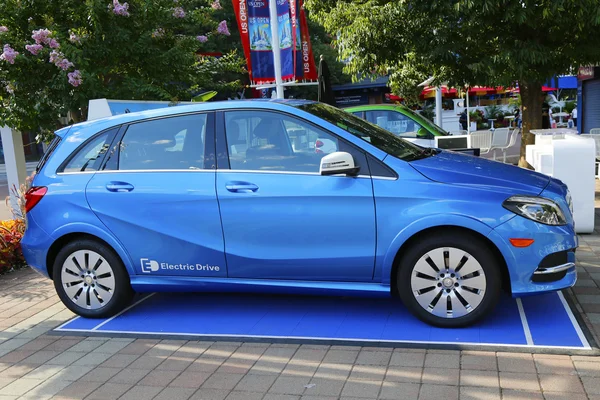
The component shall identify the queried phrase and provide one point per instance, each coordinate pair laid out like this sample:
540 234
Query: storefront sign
585 73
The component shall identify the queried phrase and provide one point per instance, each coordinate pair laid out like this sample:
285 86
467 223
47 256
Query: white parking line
122 312
573 320
524 322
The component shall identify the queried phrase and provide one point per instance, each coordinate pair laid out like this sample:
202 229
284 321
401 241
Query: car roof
276 104
376 107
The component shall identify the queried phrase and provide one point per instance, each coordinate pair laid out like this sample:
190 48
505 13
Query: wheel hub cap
88 279
448 282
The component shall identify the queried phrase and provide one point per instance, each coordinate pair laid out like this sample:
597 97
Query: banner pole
276 49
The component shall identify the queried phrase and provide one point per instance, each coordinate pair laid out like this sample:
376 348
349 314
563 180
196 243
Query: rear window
51 147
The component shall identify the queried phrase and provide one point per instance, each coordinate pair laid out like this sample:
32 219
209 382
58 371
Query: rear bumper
547 265
35 245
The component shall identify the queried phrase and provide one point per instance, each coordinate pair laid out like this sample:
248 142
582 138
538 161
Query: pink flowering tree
56 55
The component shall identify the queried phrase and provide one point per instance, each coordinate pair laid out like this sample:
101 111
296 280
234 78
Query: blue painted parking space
544 321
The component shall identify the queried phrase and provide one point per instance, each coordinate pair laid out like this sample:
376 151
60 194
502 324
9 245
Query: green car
405 123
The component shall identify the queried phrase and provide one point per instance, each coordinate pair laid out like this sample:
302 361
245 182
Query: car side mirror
422 133
337 163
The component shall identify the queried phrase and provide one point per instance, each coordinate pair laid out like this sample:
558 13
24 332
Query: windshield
378 137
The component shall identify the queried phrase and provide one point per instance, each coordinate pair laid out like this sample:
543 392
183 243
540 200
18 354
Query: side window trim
208 140
223 148
99 162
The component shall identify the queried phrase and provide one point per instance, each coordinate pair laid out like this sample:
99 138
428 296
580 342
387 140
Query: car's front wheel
449 280
91 280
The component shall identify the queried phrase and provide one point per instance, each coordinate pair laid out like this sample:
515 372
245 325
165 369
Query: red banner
241 13
309 69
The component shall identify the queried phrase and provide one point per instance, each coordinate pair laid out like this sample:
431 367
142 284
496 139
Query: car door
281 218
402 126
156 194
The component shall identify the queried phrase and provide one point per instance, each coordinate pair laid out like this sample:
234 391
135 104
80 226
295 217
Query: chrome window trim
247 171
136 170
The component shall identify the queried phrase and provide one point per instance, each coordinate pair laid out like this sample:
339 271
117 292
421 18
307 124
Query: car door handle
119 187
241 187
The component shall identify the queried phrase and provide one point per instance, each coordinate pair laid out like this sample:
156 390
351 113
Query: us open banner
308 70
254 24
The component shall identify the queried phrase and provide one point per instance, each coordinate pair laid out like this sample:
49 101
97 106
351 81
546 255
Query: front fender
385 260
89 229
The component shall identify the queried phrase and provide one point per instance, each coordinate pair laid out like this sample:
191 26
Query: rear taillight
318 143
33 196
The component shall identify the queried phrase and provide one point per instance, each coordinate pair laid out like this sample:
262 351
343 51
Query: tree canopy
477 42
58 54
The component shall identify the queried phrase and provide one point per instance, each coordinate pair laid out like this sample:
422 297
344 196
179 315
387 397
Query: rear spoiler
63 131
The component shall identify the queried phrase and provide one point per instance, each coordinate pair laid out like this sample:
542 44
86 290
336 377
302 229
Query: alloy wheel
88 279
448 282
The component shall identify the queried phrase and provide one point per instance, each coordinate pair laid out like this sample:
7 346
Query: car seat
270 146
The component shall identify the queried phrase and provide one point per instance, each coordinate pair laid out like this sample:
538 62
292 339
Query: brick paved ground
37 366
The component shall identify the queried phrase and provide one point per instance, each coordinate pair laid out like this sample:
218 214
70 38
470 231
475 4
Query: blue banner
261 41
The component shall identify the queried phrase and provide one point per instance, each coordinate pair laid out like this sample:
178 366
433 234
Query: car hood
456 168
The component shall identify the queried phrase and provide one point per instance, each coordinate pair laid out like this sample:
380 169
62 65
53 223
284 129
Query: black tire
454 242
119 286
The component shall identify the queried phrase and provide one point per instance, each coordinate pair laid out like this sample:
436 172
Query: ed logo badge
149 265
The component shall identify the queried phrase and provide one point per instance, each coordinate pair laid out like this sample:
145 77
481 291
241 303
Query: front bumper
545 266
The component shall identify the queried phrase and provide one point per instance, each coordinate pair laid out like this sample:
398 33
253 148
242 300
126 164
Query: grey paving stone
564 395
479 393
141 393
222 381
324 387
516 362
172 393
361 388
66 358
368 372
511 394
440 376
479 378
399 390
289 385
73 372
436 392
109 391
479 361
119 360
519 381
404 374
333 371
585 368
244 396
99 374
374 358
129 376
193 380
43 372
92 359
46 389
210 394
255 383
340 356
407 359
591 385
159 378
436 360
20 386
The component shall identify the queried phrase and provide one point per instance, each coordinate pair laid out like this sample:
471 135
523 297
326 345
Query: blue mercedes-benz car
246 196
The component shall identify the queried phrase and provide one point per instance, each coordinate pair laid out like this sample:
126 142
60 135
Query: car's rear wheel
91 280
449 280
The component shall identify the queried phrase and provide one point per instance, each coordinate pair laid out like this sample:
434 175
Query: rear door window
175 143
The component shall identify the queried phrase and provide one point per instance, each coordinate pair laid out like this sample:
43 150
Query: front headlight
538 209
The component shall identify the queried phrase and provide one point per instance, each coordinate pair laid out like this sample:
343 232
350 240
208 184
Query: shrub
12 230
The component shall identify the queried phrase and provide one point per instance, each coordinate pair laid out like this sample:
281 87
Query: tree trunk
531 101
